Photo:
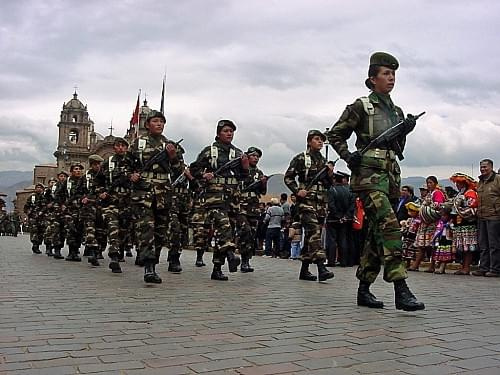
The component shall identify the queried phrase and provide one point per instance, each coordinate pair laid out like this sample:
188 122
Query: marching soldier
55 221
221 168
35 210
254 187
90 210
70 197
152 195
314 179
115 200
49 217
376 179
3 218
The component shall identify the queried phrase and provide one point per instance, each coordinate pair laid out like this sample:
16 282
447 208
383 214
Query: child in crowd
295 235
409 229
442 240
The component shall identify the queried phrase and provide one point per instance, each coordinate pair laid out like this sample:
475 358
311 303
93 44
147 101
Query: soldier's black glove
409 123
353 160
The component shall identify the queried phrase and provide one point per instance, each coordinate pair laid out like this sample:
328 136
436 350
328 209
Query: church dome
74 103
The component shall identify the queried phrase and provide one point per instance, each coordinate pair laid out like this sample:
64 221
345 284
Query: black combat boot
138 261
233 261
217 273
245 264
114 264
87 251
174 263
199 259
404 298
73 254
48 250
36 249
57 253
366 298
92 258
304 272
323 273
128 253
99 253
150 275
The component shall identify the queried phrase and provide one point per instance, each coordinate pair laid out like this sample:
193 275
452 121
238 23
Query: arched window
75 118
73 136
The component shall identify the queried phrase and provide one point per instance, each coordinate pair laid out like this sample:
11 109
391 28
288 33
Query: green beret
75 165
120 140
64 173
254 150
153 114
95 159
384 59
39 184
313 133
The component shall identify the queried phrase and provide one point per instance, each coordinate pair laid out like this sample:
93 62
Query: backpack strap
214 155
307 162
370 111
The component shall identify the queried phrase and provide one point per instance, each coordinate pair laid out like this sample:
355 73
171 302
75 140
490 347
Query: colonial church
77 140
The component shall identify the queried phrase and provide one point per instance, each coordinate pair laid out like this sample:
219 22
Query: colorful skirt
425 235
442 254
465 238
409 249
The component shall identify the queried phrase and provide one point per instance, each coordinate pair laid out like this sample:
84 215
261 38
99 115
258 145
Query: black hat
64 173
254 150
315 132
153 113
223 123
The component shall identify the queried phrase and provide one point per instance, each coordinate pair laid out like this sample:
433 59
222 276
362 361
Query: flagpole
138 117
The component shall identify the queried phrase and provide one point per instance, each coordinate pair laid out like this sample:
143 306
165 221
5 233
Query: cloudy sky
276 68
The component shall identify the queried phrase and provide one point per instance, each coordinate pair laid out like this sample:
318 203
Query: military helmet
223 123
254 150
153 113
95 159
121 140
314 132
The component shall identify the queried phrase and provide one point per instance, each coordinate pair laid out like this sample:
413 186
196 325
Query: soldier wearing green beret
376 180
311 202
35 208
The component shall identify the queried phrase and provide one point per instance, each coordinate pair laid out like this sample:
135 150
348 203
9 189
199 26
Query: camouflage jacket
379 169
71 192
35 205
116 171
250 199
91 184
304 168
146 147
224 188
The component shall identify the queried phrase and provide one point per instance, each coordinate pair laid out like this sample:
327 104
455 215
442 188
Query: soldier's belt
224 180
249 194
155 176
317 187
182 190
378 153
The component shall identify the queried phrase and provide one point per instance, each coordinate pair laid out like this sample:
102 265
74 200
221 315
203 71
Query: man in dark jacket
341 204
407 195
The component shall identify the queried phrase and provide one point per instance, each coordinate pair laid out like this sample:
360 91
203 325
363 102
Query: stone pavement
58 317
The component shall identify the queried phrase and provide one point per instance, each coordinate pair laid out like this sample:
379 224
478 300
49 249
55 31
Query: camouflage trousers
73 225
175 229
201 230
219 218
37 229
93 223
246 229
119 227
54 232
383 240
155 228
312 250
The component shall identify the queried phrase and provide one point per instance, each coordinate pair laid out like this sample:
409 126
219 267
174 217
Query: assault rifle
254 185
227 166
390 138
180 180
320 175
160 158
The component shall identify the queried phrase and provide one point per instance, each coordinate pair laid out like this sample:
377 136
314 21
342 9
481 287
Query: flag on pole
162 104
135 115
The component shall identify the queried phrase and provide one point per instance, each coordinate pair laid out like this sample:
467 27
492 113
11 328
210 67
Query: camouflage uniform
376 182
3 218
71 193
221 196
54 233
35 208
201 228
116 207
248 218
311 209
152 198
180 215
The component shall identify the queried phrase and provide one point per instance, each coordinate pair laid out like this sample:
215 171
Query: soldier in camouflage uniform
222 192
90 209
49 214
376 180
254 187
115 198
3 218
69 196
55 217
311 201
199 224
35 210
152 195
